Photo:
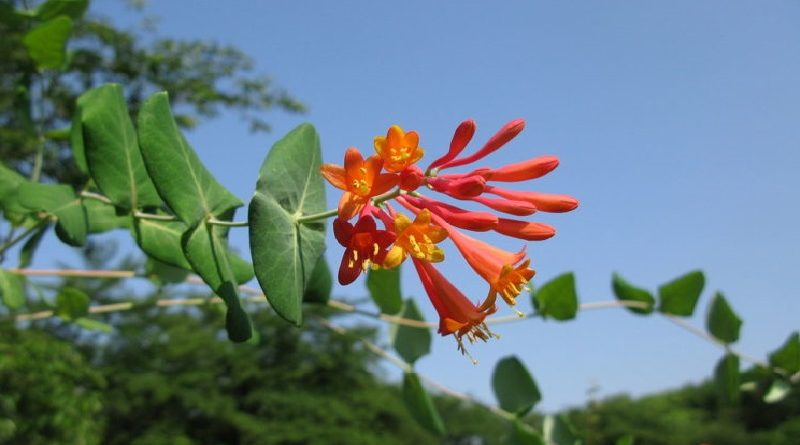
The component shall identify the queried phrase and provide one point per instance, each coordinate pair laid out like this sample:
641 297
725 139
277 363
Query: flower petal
335 174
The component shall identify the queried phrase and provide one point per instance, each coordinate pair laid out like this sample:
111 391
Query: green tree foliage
38 101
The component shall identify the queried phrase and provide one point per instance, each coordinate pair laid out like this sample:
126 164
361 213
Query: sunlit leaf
557 430
71 303
112 149
177 172
778 391
420 405
384 288
726 378
409 341
625 291
787 357
557 298
11 289
679 296
284 250
47 42
722 322
60 201
514 387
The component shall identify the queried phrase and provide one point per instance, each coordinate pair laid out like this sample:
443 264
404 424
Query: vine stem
333 212
257 296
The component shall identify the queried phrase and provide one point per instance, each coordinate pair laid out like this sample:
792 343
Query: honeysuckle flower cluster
392 174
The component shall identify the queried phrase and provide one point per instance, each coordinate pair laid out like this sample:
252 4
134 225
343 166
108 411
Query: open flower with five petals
398 149
364 244
417 238
360 178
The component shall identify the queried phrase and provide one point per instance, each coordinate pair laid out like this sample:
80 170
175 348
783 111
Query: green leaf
320 285
242 269
10 181
102 217
181 179
162 240
557 298
30 246
112 151
409 341
514 387
384 288
523 434
788 356
284 250
47 43
679 296
625 440
53 8
76 141
722 322
207 251
558 430
420 405
93 325
778 391
726 378
60 201
625 291
164 273
11 289
71 303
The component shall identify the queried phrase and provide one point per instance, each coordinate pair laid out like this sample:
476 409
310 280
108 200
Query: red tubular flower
462 188
363 243
518 208
465 219
360 179
505 134
398 149
520 171
411 178
529 231
545 202
457 315
461 138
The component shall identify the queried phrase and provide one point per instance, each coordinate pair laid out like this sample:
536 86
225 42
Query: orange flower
417 238
360 179
457 315
398 149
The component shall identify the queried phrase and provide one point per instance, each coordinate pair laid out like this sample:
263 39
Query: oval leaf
384 288
320 286
557 298
47 43
625 291
420 405
788 356
162 240
207 251
679 296
71 303
60 201
181 179
284 250
102 217
409 341
11 290
722 322
112 150
514 387
726 378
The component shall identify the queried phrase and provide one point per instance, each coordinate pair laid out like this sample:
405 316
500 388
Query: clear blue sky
676 124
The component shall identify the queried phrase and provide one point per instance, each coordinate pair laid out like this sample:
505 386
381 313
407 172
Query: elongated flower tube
363 243
527 230
517 208
457 315
461 188
520 171
545 202
398 149
508 132
461 138
417 238
360 179
465 219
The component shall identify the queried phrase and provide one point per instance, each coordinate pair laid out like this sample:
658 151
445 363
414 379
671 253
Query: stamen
375 249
